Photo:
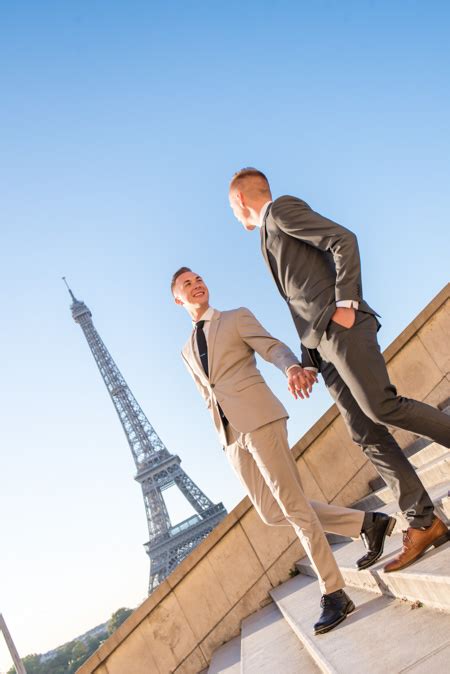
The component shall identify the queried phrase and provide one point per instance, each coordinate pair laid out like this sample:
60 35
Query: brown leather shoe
416 542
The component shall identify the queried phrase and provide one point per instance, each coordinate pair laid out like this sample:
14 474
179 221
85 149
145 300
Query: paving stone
269 646
227 658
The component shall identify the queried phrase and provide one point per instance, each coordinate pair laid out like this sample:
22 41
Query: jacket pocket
249 381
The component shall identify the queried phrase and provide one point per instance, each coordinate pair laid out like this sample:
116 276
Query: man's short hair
241 178
181 270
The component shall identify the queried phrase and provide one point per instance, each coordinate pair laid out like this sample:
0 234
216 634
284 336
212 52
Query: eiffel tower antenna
157 469
18 664
68 288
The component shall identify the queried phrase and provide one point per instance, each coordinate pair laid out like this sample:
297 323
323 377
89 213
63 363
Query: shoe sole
348 609
389 529
436 544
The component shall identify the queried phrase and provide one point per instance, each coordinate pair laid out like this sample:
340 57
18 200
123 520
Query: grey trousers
263 462
355 373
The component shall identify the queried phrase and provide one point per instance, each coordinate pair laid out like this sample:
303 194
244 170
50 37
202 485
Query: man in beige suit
251 423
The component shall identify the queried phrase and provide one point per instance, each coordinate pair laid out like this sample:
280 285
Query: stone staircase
402 620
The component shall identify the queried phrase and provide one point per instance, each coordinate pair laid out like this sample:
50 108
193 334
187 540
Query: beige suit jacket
234 380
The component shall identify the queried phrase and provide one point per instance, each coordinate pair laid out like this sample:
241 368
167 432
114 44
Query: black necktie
202 345
203 353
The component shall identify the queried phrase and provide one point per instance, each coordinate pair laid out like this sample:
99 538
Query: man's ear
241 199
178 301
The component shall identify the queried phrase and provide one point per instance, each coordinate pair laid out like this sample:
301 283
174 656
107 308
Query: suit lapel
264 245
215 320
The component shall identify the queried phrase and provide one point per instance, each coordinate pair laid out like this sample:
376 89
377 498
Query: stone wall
228 577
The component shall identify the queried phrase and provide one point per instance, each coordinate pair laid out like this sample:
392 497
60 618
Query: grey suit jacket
234 380
314 262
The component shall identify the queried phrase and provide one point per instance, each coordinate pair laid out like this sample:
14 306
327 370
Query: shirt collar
262 213
207 316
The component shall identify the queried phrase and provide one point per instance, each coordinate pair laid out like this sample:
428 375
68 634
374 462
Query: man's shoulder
233 314
234 319
285 203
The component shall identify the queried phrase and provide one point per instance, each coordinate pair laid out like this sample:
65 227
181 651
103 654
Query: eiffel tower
157 469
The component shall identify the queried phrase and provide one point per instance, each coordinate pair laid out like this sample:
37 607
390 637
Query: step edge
427 467
396 586
246 649
315 652
223 646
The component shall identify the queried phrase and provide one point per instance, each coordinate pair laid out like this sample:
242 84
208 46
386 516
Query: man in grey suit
315 264
251 424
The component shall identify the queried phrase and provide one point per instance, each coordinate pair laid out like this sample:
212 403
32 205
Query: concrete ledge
228 577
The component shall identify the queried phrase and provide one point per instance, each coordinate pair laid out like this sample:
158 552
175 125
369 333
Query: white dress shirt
207 316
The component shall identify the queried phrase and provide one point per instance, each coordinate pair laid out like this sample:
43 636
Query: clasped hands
300 381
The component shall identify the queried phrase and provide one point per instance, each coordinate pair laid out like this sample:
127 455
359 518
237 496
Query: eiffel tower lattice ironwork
157 468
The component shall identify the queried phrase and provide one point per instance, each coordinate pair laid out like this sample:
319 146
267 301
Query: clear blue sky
121 124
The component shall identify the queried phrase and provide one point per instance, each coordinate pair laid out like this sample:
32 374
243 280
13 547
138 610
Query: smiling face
191 292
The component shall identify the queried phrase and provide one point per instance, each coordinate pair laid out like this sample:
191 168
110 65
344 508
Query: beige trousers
265 466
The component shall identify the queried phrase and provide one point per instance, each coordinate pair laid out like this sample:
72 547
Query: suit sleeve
294 217
202 389
258 339
307 360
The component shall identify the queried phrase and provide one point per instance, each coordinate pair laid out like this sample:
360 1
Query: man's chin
249 228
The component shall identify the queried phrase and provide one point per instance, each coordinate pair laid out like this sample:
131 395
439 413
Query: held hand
299 384
311 377
345 317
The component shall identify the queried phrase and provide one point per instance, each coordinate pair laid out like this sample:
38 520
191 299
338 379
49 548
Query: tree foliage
68 658
118 618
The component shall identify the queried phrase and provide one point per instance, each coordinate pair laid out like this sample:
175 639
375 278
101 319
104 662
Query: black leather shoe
335 608
373 537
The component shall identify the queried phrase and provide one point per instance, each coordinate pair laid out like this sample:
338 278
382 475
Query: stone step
269 646
227 658
432 473
378 637
439 494
427 580
428 453
422 443
422 452
419 453
445 505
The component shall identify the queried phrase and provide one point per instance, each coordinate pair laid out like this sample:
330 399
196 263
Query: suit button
212 385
